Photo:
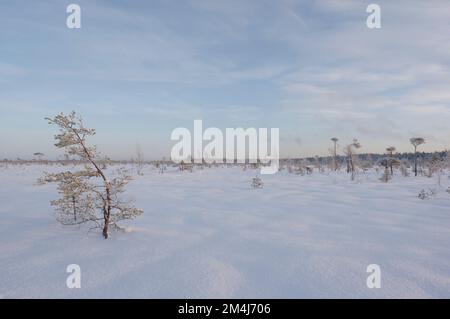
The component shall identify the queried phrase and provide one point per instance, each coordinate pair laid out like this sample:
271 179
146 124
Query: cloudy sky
138 69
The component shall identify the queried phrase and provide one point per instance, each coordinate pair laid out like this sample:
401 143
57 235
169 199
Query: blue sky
138 69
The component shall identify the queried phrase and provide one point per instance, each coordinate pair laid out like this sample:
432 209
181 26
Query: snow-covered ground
208 234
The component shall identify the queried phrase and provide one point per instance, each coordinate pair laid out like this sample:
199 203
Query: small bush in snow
386 177
423 194
257 182
404 170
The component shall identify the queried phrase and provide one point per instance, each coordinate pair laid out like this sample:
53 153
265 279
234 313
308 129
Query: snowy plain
208 234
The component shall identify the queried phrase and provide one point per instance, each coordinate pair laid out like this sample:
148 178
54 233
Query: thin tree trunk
107 212
335 159
352 168
105 226
415 161
348 164
107 207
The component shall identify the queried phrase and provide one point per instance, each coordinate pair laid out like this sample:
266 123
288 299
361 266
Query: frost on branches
88 195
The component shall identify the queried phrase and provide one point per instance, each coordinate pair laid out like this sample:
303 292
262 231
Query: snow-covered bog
208 234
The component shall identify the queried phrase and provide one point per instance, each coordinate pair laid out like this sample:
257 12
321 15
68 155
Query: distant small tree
5 162
318 164
334 153
416 141
369 161
350 153
437 166
139 160
87 195
39 155
391 159
404 165
388 163
386 177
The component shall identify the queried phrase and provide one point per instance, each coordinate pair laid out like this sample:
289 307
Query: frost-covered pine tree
88 195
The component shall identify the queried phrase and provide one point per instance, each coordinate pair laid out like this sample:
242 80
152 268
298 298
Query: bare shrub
257 182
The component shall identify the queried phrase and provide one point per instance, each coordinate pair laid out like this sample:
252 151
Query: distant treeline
375 158
365 157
